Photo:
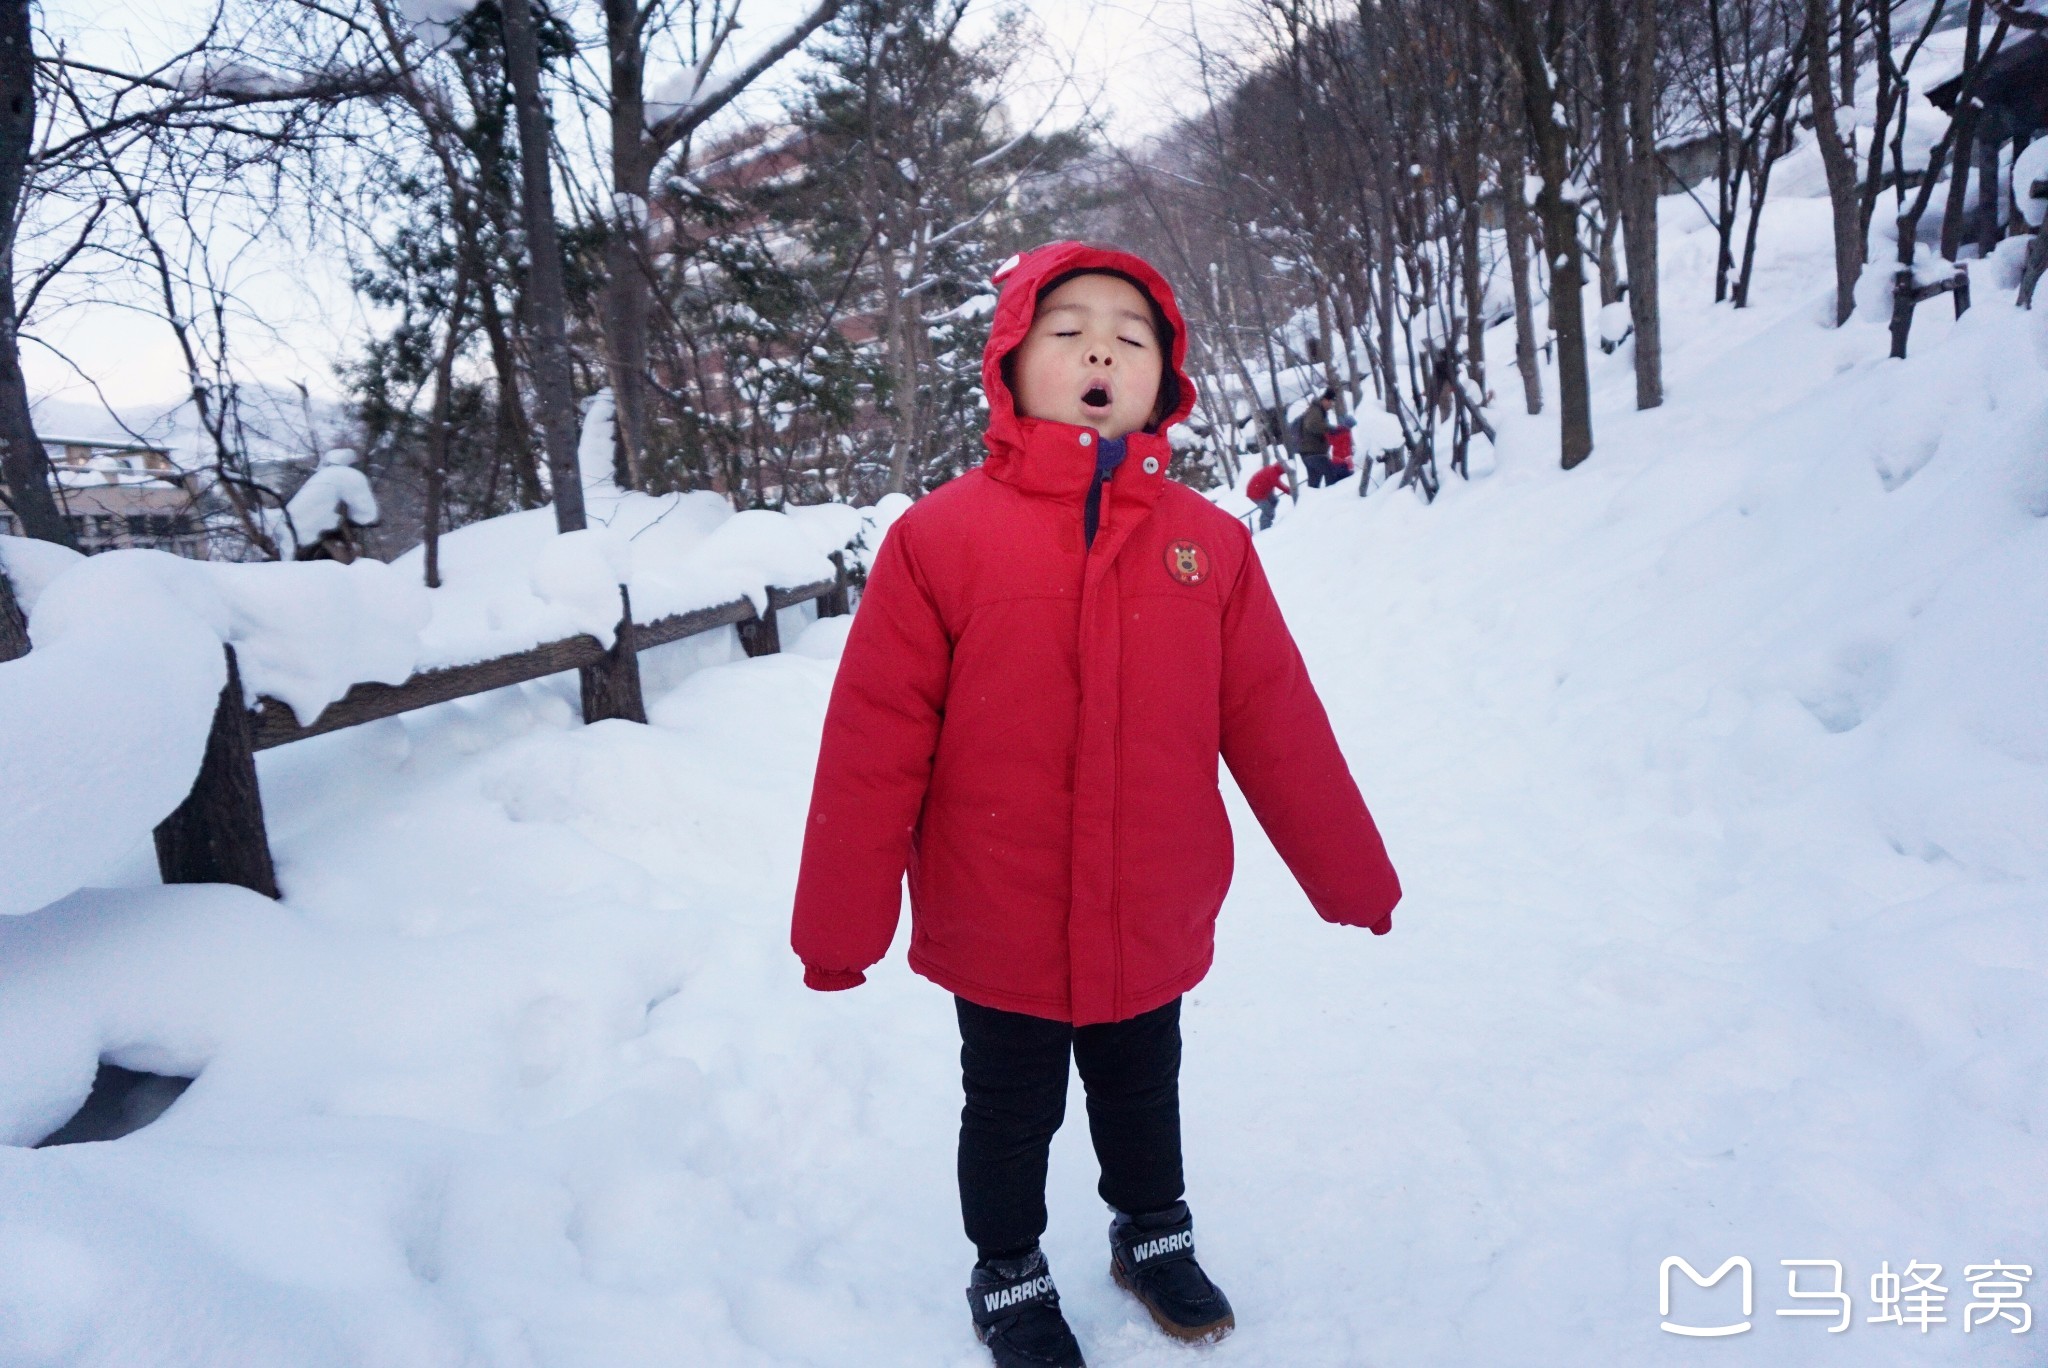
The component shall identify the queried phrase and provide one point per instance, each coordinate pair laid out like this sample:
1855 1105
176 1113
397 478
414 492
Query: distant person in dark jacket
1265 490
1315 439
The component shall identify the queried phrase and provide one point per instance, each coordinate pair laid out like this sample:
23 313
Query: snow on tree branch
686 100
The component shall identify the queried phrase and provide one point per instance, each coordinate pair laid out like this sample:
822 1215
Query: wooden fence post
216 835
1903 300
759 635
611 686
834 603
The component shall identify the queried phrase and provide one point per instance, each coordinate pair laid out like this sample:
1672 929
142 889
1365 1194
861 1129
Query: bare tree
642 136
141 151
23 466
547 294
1837 158
1533 51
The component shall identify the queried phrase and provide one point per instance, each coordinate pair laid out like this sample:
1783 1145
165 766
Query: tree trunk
1329 357
628 289
440 423
13 624
1959 181
24 467
903 370
1347 329
1766 147
1887 100
1966 116
547 295
1560 232
1836 159
1988 185
611 687
1390 372
1515 216
1639 207
1846 41
1474 284
515 438
1727 169
1614 148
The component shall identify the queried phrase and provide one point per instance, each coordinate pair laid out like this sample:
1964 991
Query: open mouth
1096 398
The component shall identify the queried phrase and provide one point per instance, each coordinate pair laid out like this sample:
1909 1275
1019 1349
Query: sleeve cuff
832 980
1383 925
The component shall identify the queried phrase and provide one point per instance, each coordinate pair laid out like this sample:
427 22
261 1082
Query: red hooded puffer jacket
1030 727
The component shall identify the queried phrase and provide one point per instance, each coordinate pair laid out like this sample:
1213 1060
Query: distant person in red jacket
1265 488
1050 655
1341 448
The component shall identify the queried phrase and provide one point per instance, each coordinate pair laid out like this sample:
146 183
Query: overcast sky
1128 56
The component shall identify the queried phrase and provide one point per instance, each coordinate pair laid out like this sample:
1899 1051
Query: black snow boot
1152 1256
1017 1314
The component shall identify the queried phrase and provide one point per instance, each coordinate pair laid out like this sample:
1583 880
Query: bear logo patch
1187 562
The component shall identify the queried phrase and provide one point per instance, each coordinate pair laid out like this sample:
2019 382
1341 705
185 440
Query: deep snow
1714 770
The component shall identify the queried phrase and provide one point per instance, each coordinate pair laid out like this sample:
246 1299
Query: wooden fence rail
217 835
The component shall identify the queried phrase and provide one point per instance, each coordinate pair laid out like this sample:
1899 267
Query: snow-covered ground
1716 771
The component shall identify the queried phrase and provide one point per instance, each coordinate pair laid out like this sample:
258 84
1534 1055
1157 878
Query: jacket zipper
1091 512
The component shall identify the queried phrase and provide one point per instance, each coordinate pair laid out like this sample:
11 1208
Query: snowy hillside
1716 771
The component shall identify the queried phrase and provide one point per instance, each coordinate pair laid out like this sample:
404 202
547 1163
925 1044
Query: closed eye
1132 341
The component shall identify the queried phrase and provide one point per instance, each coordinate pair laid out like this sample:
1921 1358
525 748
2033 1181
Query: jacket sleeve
874 764
1279 746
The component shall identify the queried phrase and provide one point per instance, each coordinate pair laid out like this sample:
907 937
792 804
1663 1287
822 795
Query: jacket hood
1021 279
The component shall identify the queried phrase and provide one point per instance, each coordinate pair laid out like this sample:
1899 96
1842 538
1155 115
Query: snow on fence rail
217 834
154 681
274 724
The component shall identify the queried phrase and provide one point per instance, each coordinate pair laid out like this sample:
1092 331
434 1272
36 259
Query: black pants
1320 471
1014 1068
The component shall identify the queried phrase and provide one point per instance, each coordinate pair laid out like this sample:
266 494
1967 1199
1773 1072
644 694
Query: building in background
118 494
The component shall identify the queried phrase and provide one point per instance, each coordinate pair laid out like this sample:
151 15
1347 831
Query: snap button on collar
1151 465
1086 438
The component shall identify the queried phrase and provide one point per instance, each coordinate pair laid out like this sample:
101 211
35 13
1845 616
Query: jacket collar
1057 460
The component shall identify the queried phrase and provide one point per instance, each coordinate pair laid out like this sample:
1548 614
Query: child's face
1091 358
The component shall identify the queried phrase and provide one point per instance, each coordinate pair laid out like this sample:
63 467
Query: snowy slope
1714 770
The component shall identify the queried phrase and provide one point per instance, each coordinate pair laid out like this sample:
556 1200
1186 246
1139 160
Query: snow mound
115 701
579 574
334 490
2030 169
31 564
107 721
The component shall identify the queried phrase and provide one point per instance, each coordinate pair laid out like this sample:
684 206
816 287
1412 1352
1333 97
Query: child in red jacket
1265 488
1050 655
1341 448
